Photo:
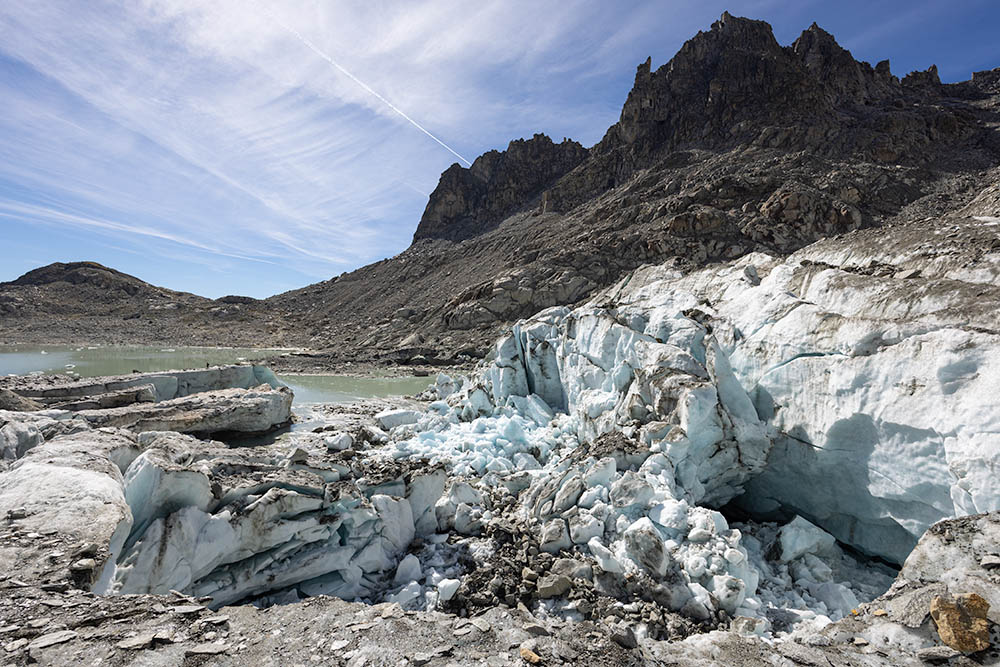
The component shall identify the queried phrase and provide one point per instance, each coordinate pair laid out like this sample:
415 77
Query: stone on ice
371 435
644 546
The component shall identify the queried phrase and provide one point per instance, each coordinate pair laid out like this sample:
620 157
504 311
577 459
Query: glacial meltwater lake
92 361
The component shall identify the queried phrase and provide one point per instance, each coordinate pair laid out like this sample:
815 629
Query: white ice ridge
860 401
238 525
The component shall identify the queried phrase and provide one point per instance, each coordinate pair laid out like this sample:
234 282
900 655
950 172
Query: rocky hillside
84 301
736 145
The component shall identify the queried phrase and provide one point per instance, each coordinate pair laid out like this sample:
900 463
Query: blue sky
212 146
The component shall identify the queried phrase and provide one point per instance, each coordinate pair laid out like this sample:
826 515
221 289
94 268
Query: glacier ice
794 387
823 403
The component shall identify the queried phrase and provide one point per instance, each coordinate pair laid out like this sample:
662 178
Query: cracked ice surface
233 524
618 428
860 401
877 392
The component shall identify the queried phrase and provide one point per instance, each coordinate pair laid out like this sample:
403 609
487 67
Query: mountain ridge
736 144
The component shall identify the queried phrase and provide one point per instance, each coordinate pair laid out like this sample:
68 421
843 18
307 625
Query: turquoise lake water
100 360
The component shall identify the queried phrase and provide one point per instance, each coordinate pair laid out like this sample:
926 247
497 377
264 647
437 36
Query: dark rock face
734 85
467 202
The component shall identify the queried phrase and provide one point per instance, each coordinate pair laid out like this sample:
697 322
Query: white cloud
205 122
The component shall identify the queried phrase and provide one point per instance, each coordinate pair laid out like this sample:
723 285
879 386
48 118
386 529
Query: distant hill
79 302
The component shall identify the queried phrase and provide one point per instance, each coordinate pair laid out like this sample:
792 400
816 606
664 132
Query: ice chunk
390 419
801 537
397 521
409 594
555 536
585 526
408 570
605 559
447 589
339 441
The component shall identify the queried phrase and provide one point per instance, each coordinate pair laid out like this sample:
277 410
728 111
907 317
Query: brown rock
11 401
961 621
530 656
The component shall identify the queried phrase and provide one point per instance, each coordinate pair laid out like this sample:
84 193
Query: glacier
750 443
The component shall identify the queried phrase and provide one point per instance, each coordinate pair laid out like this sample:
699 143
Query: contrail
295 33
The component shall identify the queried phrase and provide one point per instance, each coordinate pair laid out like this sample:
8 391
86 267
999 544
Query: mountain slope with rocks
86 302
738 144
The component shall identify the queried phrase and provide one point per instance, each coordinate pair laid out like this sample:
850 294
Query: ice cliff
830 385
840 386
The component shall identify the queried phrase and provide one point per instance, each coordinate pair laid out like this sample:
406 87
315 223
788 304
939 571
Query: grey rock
554 585
84 565
140 641
214 648
624 636
937 655
52 638
16 403
990 562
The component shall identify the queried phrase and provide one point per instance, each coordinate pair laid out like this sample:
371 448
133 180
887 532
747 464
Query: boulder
962 621
17 403
245 410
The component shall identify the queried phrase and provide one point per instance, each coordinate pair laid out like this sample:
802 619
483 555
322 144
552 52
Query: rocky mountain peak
467 202
735 73
81 273
834 67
